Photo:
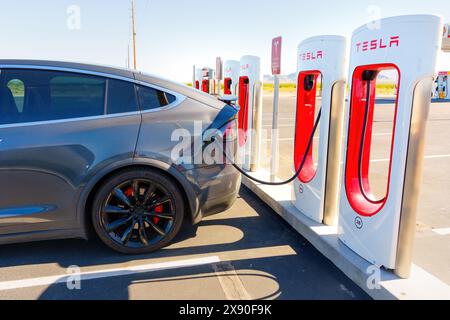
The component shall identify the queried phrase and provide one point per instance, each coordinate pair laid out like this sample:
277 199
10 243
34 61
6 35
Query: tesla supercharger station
322 66
250 113
207 80
443 85
231 77
198 78
381 230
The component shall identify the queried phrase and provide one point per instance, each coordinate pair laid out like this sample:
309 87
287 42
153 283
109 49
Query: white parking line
108 273
229 280
442 232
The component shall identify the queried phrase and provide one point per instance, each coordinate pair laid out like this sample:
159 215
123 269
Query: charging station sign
276 56
219 68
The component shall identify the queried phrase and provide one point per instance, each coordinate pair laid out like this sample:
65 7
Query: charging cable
299 170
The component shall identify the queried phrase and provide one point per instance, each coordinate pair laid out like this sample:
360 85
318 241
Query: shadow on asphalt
305 275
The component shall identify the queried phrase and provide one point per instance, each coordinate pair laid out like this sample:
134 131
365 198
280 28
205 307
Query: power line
140 18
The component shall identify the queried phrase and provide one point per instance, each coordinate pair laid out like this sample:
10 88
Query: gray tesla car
86 146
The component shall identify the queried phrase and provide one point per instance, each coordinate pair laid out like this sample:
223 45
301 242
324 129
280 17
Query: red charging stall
198 79
207 84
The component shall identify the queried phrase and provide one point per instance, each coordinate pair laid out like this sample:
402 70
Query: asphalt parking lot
432 243
247 252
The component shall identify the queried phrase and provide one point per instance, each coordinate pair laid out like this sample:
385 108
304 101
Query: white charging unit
198 79
382 229
322 67
231 77
442 85
250 113
207 80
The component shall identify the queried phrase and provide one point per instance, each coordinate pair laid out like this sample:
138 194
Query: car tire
112 191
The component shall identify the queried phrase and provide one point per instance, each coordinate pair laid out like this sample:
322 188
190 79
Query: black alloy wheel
138 211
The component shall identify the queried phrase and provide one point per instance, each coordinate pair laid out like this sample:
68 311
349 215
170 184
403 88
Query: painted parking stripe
229 280
442 232
107 273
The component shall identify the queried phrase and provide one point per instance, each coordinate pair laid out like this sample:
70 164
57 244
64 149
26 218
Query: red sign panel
276 56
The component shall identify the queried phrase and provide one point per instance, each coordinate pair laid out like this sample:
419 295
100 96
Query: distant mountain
385 78
290 78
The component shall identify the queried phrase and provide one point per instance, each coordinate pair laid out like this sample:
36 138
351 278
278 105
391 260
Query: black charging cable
368 76
299 170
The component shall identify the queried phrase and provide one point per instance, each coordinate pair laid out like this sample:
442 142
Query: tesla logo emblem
301 189
245 67
276 43
377 44
359 223
311 55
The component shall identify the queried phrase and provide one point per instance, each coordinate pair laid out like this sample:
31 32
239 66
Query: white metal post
275 143
219 74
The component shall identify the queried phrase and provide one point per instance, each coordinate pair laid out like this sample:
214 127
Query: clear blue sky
175 34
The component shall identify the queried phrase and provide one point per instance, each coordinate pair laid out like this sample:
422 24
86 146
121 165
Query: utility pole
134 34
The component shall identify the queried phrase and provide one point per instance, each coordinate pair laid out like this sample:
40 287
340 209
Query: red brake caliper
129 192
158 209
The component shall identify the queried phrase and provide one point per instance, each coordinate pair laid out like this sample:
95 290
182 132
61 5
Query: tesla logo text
377 44
311 55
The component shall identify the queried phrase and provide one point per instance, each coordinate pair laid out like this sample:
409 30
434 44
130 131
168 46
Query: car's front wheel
137 211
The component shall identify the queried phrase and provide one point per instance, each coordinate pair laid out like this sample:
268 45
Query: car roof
113 71
117 72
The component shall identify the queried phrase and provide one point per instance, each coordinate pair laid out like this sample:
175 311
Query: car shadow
302 274
263 230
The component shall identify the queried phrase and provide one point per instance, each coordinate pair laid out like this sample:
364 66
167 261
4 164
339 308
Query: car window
17 88
75 96
41 95
150 98
121 97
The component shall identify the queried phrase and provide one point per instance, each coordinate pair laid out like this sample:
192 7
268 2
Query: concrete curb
421 285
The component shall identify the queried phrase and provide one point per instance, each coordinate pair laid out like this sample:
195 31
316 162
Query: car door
56 128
